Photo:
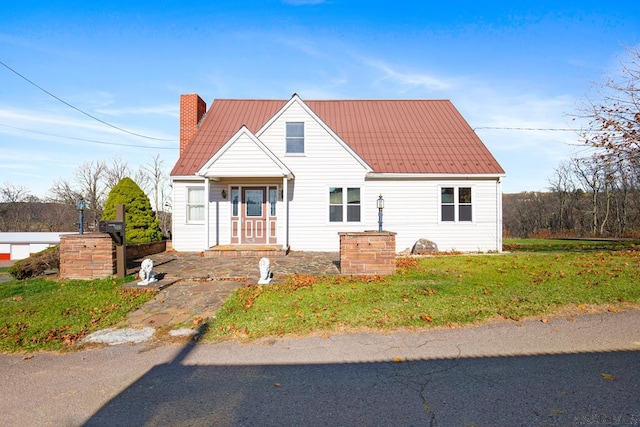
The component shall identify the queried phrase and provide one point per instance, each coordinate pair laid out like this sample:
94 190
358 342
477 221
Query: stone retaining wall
368 252
141 250
87 256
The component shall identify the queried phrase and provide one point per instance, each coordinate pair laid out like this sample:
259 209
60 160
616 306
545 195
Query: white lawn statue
146 273
265 271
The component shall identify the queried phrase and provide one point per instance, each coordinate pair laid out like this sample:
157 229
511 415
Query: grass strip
43 314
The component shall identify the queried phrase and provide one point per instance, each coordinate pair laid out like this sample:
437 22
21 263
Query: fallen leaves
406 263
249 294
426 318
608 377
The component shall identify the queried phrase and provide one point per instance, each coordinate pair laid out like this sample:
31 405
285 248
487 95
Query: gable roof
392 136
264 162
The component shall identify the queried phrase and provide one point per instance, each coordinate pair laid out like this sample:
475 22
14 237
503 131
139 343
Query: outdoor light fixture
81 205
380 203
224 193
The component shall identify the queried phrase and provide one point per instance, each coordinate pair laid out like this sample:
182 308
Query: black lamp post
380 203
81 205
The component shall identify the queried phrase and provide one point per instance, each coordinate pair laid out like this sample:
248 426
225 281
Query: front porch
246 251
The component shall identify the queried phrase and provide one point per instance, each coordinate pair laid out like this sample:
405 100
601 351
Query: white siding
20 251
325 164
412 209
245 155
185 237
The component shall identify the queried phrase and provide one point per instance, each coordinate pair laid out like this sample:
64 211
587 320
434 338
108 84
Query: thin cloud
412 79
64 125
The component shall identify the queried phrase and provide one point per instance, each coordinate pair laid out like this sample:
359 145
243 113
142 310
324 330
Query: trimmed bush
141 226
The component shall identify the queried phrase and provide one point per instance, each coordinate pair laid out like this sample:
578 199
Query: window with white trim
295 138
195 204
455 204
344 199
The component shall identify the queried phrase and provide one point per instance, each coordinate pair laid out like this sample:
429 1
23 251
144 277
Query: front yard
436 291
550 278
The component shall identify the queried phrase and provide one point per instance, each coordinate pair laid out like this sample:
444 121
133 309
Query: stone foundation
87 256
368 252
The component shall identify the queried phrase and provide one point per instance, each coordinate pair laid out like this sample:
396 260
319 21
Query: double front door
253 216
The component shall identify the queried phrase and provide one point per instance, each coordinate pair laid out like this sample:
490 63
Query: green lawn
554 245
435 291
448 290
45 314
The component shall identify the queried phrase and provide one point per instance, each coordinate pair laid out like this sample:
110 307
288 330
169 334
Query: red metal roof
392 136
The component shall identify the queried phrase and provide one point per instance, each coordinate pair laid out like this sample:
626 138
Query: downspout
499 215
285 199
207 185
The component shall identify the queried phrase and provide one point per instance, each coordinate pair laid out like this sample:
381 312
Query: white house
20 245
295 173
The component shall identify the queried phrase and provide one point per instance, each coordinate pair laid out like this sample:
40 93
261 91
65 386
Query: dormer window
295 138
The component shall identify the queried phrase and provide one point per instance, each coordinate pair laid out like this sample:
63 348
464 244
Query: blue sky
503 64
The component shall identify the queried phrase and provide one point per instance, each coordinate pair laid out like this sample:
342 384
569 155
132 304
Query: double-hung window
295 138
195 204
343 200
455 204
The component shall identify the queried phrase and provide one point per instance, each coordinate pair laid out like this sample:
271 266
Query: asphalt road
580 370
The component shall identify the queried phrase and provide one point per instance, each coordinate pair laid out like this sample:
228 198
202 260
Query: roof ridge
339 100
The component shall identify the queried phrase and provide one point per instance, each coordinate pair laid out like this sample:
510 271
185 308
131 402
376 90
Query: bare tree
563 188
588 171
90 178
156 178
62 192
11 193
89 185
155 182
115 171
614 119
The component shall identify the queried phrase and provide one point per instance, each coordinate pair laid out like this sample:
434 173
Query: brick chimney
192 108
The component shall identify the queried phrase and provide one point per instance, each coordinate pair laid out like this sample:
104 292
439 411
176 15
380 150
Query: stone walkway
192 288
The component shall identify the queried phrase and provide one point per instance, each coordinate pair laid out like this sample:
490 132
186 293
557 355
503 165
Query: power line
530 129
78 109
88 140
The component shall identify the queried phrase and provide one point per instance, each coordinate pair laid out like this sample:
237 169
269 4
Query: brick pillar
192 108
87 256
367 252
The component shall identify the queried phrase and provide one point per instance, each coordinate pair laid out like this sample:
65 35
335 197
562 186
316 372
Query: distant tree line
587 198
596 195
91 182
